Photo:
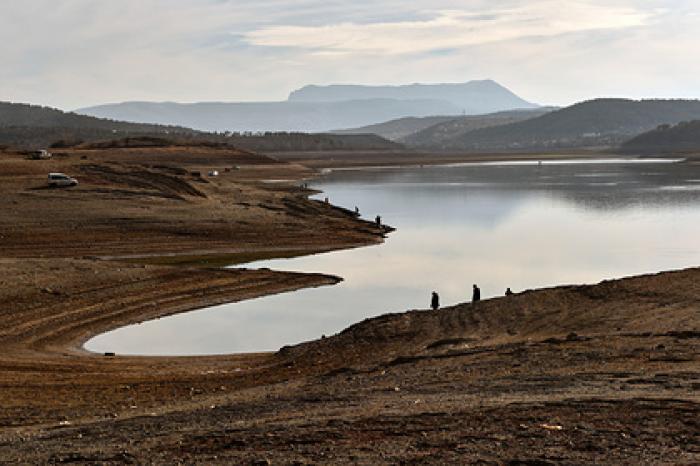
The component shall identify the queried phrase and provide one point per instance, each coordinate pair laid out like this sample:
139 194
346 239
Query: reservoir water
518 225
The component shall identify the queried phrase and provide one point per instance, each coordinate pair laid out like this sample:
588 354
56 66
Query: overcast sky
75 53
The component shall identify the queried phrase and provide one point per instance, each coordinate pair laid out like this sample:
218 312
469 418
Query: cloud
450 29
76 53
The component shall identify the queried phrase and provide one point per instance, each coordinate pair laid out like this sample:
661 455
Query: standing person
435 301
378 221
476 294
508 292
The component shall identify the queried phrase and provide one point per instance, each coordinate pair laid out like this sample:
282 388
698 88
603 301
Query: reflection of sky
512 226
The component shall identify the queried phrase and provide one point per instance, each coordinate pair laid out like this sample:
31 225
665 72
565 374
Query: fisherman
378 221
508 292
357 210
476 294
435 301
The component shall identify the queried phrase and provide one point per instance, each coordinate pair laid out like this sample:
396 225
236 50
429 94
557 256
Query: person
357 210
435 301
378 221
508 292
476 293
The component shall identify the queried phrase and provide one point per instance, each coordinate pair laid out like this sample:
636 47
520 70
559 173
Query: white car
60 179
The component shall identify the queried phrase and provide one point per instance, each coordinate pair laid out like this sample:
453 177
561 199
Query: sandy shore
604 373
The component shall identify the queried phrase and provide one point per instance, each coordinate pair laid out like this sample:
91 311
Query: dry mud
606 373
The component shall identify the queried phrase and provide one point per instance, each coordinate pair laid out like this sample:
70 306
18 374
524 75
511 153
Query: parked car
59 179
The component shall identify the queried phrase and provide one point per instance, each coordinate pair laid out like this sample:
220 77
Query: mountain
399 128
444 134
33 126
595 123
683 137
271 116
35 116
473 97
322 108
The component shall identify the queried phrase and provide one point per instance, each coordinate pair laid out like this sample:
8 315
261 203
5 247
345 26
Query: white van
59 179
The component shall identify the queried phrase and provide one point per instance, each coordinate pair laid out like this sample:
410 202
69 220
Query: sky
76 53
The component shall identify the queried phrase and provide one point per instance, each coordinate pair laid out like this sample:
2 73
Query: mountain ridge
474 97
595 123
356 106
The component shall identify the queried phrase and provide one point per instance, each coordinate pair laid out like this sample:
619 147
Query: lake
521 225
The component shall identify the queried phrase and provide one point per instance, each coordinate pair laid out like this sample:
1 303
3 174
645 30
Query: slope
443 134
684 137
595 123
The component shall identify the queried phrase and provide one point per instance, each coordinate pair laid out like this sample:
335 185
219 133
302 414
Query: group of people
476 297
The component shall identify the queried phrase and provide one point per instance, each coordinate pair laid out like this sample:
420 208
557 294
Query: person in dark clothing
378 221
476 294
435 301
508 292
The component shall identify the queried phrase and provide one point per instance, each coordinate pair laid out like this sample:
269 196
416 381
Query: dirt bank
132 202
572 374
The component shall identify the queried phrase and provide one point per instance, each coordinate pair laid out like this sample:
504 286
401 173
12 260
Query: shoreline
505 341
576 356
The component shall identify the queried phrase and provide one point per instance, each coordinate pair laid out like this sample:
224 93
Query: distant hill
399 128
444 134
472 97
683 137
271 116
322 109
304 142
595 123
32 126
35 116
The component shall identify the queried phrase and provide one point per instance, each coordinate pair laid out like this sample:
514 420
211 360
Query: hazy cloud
451 29
73 53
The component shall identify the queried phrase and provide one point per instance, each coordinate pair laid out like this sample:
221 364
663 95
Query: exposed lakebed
519 225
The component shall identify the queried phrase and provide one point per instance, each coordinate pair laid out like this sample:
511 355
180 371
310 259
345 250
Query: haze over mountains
323 108
24 126
595 124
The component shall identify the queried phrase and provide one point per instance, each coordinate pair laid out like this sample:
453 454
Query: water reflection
518 226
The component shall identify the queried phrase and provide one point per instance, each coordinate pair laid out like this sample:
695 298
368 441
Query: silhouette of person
476 293
508 292
378 221
435 301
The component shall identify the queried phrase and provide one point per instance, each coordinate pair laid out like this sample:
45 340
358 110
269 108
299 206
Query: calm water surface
518 225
